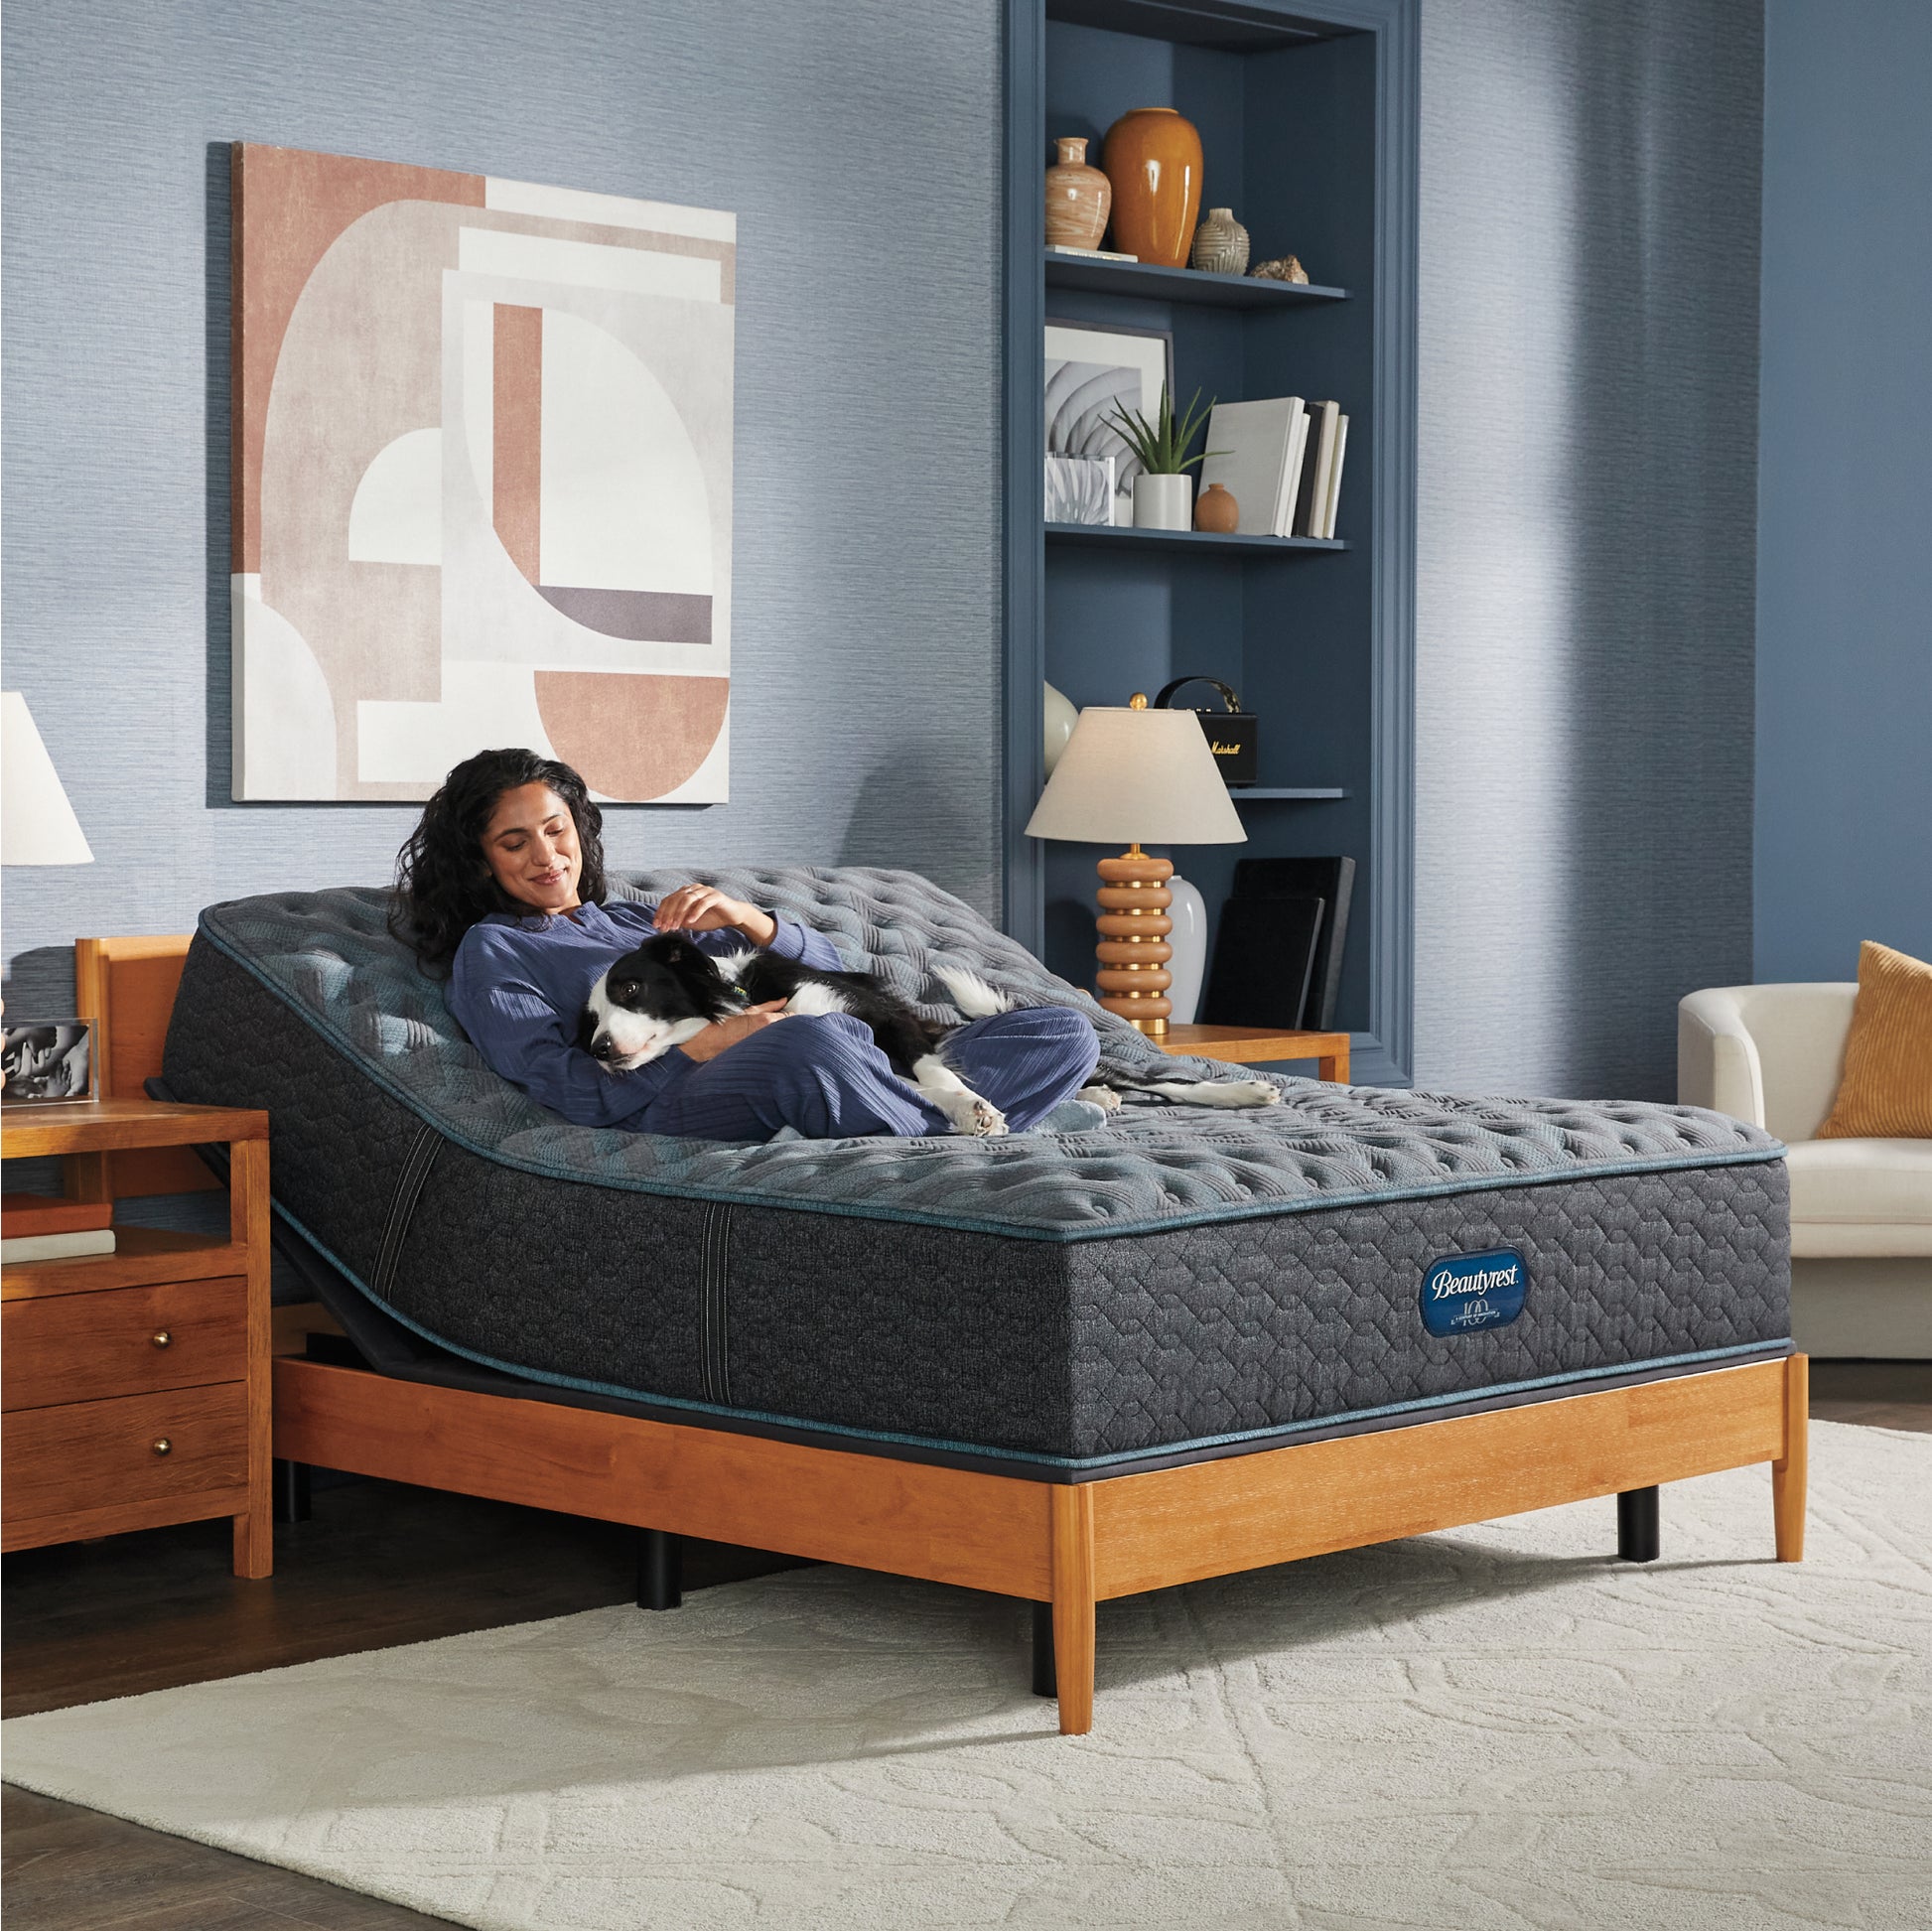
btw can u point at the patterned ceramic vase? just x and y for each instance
(1153, 158)
(1220, 244)
(1079, 197)
(1217, 510)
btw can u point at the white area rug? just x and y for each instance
(1493, 1727)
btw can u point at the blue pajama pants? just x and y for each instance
(826, 1077)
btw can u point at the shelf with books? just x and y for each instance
(1193, 542)
(1153, 284)
(1308, 116)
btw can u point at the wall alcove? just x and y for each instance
(1308, 127)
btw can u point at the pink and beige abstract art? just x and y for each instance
(483, 481)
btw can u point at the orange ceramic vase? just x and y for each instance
(1153, 158)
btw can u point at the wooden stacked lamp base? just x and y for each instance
(1134, 949)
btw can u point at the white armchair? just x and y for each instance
(1861, 1210)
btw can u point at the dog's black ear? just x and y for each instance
(586, 1027)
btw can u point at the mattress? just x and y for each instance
(1173, 1284)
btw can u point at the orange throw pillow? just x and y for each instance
(1887, 1091)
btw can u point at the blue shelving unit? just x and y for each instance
(1308, 121)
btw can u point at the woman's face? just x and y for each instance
(530, 842)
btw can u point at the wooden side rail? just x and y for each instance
(1072, 1545)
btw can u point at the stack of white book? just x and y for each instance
(1280, 461)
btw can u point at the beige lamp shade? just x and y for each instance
(1137, 777)
(37, 824)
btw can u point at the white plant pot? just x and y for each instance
(1163, 503)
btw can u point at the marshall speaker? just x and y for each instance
(1233, 734)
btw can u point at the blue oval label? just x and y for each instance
(1465, 1292)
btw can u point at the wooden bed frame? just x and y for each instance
(1061, 1546)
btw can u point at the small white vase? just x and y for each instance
(1163, 503)
(1189, 941)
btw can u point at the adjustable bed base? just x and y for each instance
(1063, 1368)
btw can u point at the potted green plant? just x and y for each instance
(1164, 491)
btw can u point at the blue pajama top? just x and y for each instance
(517, 987)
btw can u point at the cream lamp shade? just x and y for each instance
(37, 823)
(1137, 777)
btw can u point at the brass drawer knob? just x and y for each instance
(162, 1446)
(162, 1338)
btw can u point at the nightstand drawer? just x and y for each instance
(124, 1342)
(96, 1455)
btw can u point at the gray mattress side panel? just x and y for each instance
(1217, 1331)
(903, 1329)
(576, 1280)
(336, 1142)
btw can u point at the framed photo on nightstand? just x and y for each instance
(47, 1061)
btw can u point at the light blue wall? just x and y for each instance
(858, 144)
(1585, 523)
(1845, 487)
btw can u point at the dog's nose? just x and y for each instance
(604, 1047)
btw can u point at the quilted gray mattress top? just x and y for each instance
(330, 958)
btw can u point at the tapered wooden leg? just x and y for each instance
(1073, 1505)
(254, 1528)
(1788, 1474)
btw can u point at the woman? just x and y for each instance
(500, 887)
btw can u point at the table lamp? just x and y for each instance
(37, 823)
(1131, 774)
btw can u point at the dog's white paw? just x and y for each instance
(1103, 1097)
(1252, 1092)
(977, 1118)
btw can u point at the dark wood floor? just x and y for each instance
(377, 1564)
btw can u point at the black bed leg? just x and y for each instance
(1045, 1683)
(1636, 1525)
(291, 1490)
(660, 1569)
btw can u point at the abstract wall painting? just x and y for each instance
(483, 481)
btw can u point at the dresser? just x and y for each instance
(135, 1384)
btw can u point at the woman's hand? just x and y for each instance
(704, 908)
(724, 1034)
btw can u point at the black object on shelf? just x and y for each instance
(1331, 880)
(1263, 959)
(1233, 734)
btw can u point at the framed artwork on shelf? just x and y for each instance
(1091, 370)
(483, 481)
(47, 1061)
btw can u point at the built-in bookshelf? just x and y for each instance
(1308, 123)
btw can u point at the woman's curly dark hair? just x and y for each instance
(444, 884)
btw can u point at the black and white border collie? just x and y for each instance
(667, 991)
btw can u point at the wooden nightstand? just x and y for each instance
(1250, 1046)
(135, 1384)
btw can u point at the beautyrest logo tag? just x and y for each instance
(1463, 1292)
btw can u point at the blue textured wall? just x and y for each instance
(1585, 525)
(1845, 487)
(858, 144)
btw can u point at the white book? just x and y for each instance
(1297, 449)
(57, 1247)
(1253, 441)
(1322, 454)
(1335, 476)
